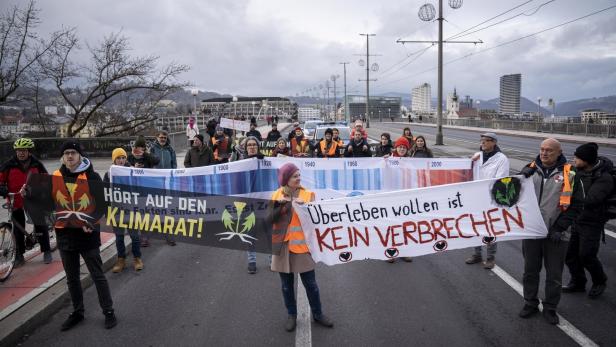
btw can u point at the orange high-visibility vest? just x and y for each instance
(70, 204)
(294, 234)
(299, 148)
(567, 189)
(332, 149)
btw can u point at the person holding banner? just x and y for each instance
(199, 154)
(384, 148)
(336, 137)
(420, 149)
(300, 145)
(358, 147)
(327, 148)
(401, 147)
(359, 127)
(221, 145)
(495, 165)
(281, 149)
(552, 177)
(290, 252)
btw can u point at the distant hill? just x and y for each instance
(573, 108)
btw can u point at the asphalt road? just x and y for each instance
(195, 296)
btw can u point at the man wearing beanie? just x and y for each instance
(199, 154)
(79, 235)
(585, 216)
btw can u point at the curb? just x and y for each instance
(38, 310)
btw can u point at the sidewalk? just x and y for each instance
(601, 141)
(36, 290)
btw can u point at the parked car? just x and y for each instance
(310, 126)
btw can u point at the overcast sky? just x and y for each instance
(281, 48)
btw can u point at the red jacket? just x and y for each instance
(13, 175)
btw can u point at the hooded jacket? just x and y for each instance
(590, 190)
(14, 176)
(165, 154)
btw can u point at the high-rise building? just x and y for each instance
(510, 89)
(421, 99)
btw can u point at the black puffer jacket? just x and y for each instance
(590, 189)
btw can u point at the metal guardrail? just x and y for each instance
(93, 147)
(580, 129)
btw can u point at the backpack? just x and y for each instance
(610, 201)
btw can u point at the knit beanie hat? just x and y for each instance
(139, 142)
(200, 137)
(402, 141)
(587, 152)
(285, 172)
(118, 152)
(71, 144)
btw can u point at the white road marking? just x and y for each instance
(610, 233)
(564, 324)
(303, 331)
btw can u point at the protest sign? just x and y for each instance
(421, 221)
(234, 124)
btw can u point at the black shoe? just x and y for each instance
(528, 311)
(596, 290)
(19, 260)
(574, 288)
(72, 320)
(324, 321)
(252, 268)
(110, 320)
(550, 316)
(289, 325)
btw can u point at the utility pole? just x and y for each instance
(368, 78)
(346, 109)
(334, 78)
(427, 14)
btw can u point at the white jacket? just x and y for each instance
(190, 133)
(495, 167)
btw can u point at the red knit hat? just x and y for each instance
(402, 141)
(285, 172)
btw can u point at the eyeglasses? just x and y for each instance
(70, 153)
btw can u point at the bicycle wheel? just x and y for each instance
(8, 249)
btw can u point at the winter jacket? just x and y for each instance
(273, 135)
(75, 239)
(497, 165)
(548, 187)
(322, 149)
(358, 150)
(383, 150)
(196, 157)
(421, 153)
(165, 154)
(191, 132)
(590, 190)
(256, 133)
(148, 160)
(14, 176)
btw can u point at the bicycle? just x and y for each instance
(8, 244)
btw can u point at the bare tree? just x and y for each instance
(21, 47)
(90, 89)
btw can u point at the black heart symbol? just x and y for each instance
(440, 245)
(345, 256)
(391, 252)
(488, 239)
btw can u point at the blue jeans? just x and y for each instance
(312, 291)
(121, 247)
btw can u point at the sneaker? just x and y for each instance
(473, 259)
(19, 260)
(72, 320)
(119, 265)
(596, 290)
(488, 264)
(574, 288)
(550, 316)
(407, 259)
(252, 268)
(290, 324)
(138, 264)
(47, 257)
(324, 321)
(528, 311)
(110, 319)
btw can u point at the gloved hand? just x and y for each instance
(555, 236)
(528, 171)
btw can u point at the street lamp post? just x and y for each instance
(380, 118)
(389, 113)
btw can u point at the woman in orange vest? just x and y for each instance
(291, 254)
